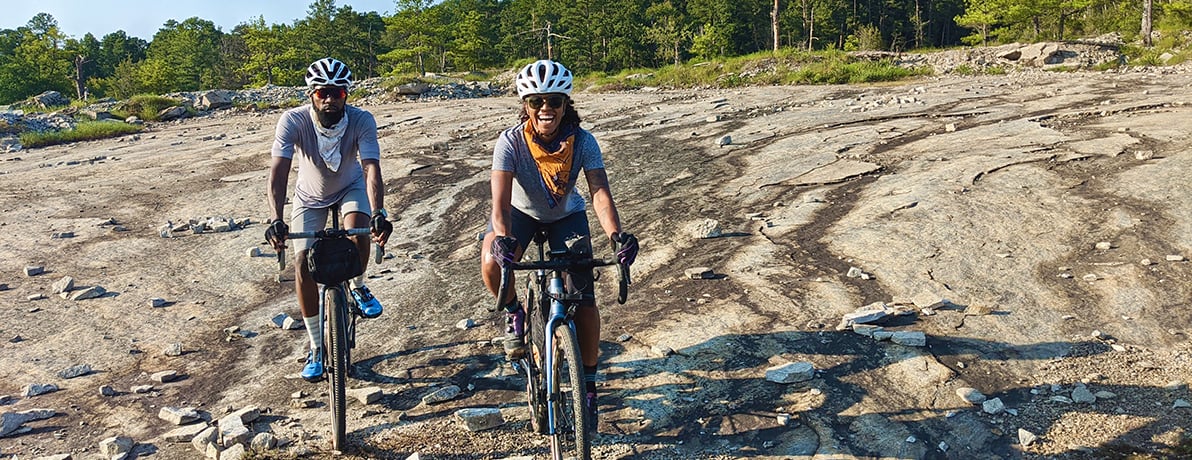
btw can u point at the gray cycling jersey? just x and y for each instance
(317, 186)
(529, 193)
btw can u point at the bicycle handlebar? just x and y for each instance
(328, 233)
(565, 265)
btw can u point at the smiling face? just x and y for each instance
(546, 113)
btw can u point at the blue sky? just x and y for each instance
(142, 18)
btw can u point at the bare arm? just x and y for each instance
(376, 186)
(279, 177)
(502, 190)
(602, 202)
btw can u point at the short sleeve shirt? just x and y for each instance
(529, 194)
(317, 186)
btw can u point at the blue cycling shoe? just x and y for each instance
(313, 370)
(370, 307)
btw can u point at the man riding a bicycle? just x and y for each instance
(536, 167)
(338, 164)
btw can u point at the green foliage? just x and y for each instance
(84, 131)
(608, 36)
(144, 106)
(867, 38)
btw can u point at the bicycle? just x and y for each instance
(555, 387)
(340, 322)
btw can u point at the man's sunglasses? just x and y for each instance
(554, 102)
(331, 92)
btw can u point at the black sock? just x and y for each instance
(512, 306)
(590, 379)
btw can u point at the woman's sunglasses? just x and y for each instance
(554, 102)
(331, 92)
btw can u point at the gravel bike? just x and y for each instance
(340, 316)
(554, 370)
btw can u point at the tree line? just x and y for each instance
(588, 35)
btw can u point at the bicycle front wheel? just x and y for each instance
(572, 431)
(336, 304)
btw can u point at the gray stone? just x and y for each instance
(1026, 438)
(699, 273)
(233, 452)
(263, 441)
(465, 324)
(142, 389)
(179, 416)
(77, 370)
(63, 285)
(116, 445)
(37, 389)
(164, 376)
(173, 349)
(245, 415)
(993, 406)
(234, 435)
(1181, 404)
(868, 314)
(480, 419)
(367, 395)
(709, 228)
(254, 252)
(54, 457)
(171, 113)
(205, 437)
(185, 433)
(1082, 395)
(11, 422)
(791, 372)
(107, 390)
(909, 338)
(1174, 258)
(88, 293)
(34, 270)
(441, 394)
(157, 302)
(970, 395)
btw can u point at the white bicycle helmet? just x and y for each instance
(541, 77)
(328, 72)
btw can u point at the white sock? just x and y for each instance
(314, 329)
(357, 282)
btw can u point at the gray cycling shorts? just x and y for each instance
(524, 227)
(303, 219)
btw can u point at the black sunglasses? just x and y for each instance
(554, 102)
(331, 92)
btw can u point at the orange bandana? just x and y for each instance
(555, 167)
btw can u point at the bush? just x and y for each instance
(144, 106)
(85, 131)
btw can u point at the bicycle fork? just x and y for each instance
(558, 318)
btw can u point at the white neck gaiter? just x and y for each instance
(329, 139)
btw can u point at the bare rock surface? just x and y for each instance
(974, 193)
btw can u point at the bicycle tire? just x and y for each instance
(572, 437)
(336, 303)
(532, 363)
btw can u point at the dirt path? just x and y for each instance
(989, 192)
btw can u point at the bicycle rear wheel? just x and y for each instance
(336, 304)
(572, 432)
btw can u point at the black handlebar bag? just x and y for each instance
(334, 260)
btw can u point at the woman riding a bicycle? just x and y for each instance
(536, 166)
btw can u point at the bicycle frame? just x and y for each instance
(548, 276)
(340, 314)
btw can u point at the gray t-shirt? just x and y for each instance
(529, 191)
(317, 186)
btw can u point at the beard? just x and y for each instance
(329, 118)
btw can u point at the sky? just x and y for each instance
(142, 18)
